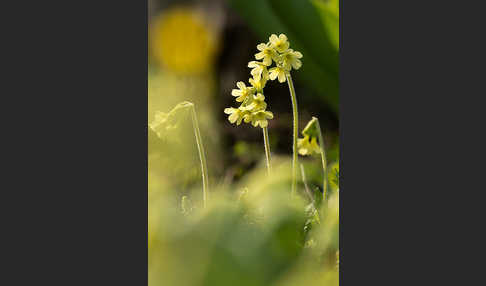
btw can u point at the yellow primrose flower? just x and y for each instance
(258, 85)
(267, 53)
(259, 70)
(291, 59)
(280, 43)
(260, 118)
(257, 104)
(308, 147)
(243, 92)
(277, 72)
(236, 115)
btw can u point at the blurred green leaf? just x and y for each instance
(333, 176)
(306, 22)
(312, 28)
(329, 14)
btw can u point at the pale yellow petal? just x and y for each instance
(261, 46)
(285, 46)
(240, 85)
(296, 64)
(233, 117)
(273, 73)
(281, 76)
(267, 60)
(273, 38)
(260, 56)
(253, 64)
(256, 74)
(236, 92)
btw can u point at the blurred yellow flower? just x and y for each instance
(260, 118)
(235, 115)
(258, 103)
(259, 70)
(181, 41)
(280, 43)
(258, 84)
(267, 53)
(291, 59)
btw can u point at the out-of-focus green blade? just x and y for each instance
(305, 21)
(329, 14)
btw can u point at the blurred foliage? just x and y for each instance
(256, 237)
(333, 175)
(313, 28)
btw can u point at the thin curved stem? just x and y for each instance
(323, 159)
(311, 197)
(202, 156)
(267, 148)
(293, 97)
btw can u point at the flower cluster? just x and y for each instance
(253, 107)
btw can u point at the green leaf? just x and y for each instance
(306, 22)
(329, 14)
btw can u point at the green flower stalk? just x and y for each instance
(202, 154)
(267, 148)
(287, 59)
(166, 121)
(308, 146)
(295, 132)
(253, 106)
